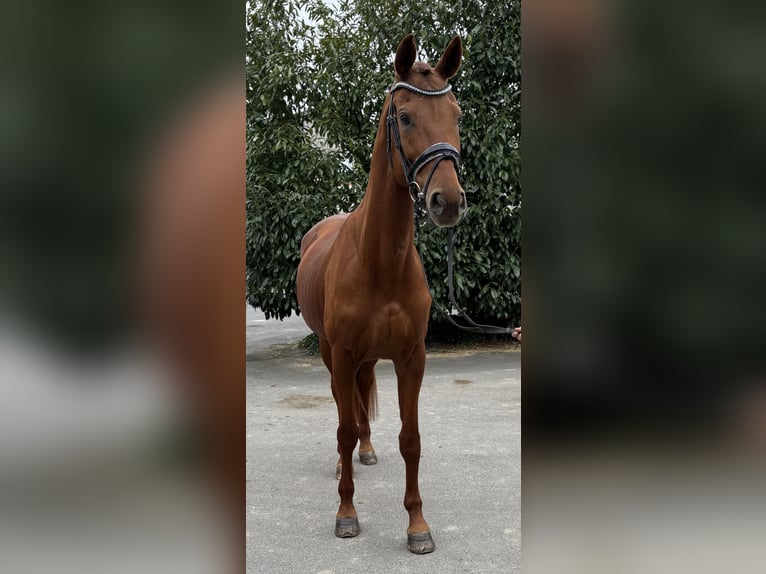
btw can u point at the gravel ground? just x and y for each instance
(470, 426)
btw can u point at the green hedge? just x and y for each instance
(316, 80)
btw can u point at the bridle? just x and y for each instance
(437, 151)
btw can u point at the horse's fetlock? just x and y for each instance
(413, 504)
(346, 491)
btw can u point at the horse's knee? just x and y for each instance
(409, 438)
(409, 444)
(347, 437)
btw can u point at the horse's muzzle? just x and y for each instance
(446, 210)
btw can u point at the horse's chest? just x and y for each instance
(391, 321)
(390, 330)
(383, 330)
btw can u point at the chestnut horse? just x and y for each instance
(361, 286)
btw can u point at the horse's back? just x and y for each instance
(325, 232)
(316, 246)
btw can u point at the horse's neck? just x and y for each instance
(387, 226)
(386, 229)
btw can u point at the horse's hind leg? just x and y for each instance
(366, 408)
(326, 352)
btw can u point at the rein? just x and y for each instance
(471, 326)
(438, 151)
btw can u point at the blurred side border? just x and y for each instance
(643, 361)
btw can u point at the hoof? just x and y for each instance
(347, 527)
(368, 457)
(420, 542)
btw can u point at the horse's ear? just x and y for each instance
(450, 61)
(405, 56)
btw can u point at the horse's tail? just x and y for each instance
(368, 404)
(372, 401)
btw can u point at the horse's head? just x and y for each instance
(423, 130)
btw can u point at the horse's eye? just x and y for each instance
(404, 118)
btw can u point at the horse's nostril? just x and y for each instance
(437, 203)
(463, 203)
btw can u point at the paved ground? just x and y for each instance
(470, 421)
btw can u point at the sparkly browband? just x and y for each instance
(420, 91)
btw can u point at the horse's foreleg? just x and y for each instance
(409, 378)
(365, 411)
(343, 383)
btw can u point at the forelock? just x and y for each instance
(422, 68)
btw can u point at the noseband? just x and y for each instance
(437, 151)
